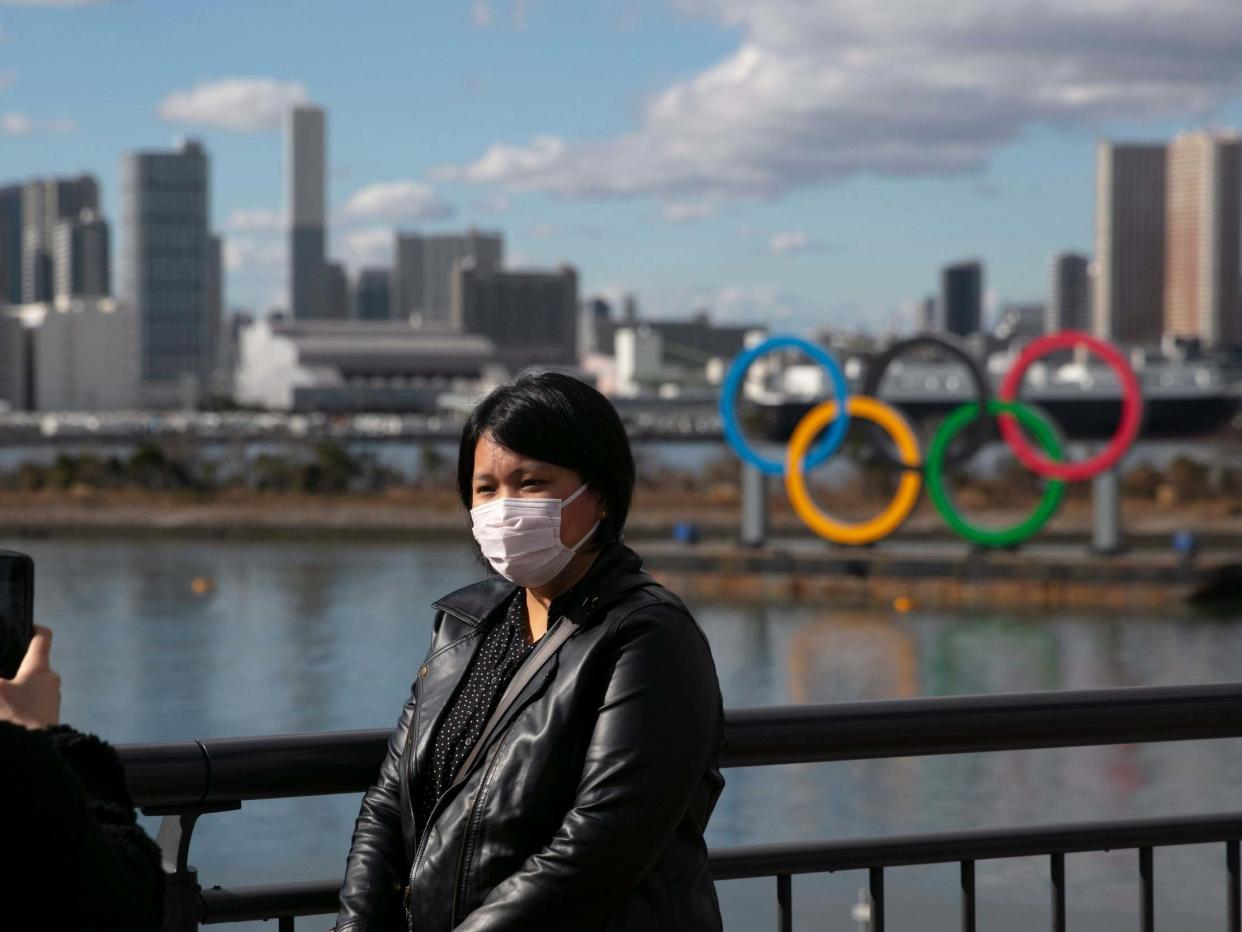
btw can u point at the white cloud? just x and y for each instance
(496, 204)
(790, 241)
(686, 211)
(821, 91)
(256, 220)
(242, 105)
(397, 202)
(9, 76)
(481, 14)
(370, 246)
(508, 164)
(16, 124)
(249, 254)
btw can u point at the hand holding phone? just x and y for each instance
(32, 697)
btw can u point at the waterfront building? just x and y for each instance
(170, 271)
(1203, 196)
(336, 292)
(81, 257)
(72, 354)
(1021, 323)
(1069, 306)
(372, 294)
(10, 244)
(306, 196)
(1128, 289)
(961, 298)
(531, 316)
(354, 365)
(46, 202)
(675, 357)
(424, 268)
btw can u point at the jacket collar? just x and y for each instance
(615, 570)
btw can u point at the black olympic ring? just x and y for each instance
(974, 436)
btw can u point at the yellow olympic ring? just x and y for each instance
(864, 532)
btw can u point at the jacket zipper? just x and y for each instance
(459, 882)
(412, 773)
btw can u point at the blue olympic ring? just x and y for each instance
(733, 382)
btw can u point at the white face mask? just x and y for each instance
(521, 537)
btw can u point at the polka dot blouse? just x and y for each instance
(505, 645)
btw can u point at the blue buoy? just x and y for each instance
(1185, 544)
(686, 532)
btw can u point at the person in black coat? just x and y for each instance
(74, 857)
(556, 764)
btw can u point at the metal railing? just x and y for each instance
(185, 780)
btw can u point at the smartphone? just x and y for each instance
(16, 610)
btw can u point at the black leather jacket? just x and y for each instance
(585, 809)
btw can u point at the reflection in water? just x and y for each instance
(328, 635)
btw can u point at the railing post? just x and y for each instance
(754, 531)
(784, 903)
(1106, 504)
(182, 903)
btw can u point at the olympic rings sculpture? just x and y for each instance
(1016, 420)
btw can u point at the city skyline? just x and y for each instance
(839, 236)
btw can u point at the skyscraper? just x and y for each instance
(1203, 206)
(305, 160)
(1069, 306)
(371, 295)
(424, 268)
(81, 255)
(1128, 298)
(167, 270)
(46, 202)
(531, 316)
(961, 298)
(11, 244)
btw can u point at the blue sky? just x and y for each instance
(801, 162)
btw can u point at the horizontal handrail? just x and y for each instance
(734, 863)
(185, 774)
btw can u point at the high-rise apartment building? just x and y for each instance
(306, 196)
(169, 269)
(81, 257)
(531, 317)
(371, 295)
(424, 268)
(46, 202)
(1128, 289)
(1069, 305)
(1203, 206)
(10, 244)
(961, 298)
(336, 292)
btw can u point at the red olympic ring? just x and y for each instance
(1131, 409)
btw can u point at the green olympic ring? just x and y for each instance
(1053, 492)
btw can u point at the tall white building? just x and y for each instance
(170, 271)
(1201, 270)
(72, 355)
(306, 196)
(423, 271)
(44, 203)
(81, 257)
(1128, 298)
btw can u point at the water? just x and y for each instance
(327, 635)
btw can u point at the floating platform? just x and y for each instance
(948, 575)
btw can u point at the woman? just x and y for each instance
(556, 764)
(74, 857)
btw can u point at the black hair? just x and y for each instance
(555, 417)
